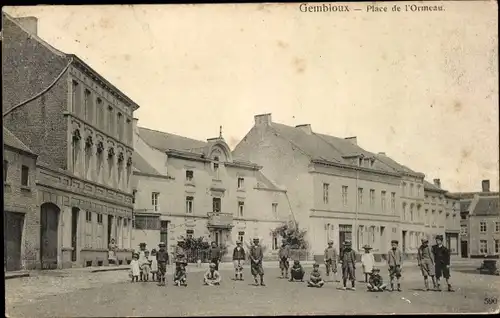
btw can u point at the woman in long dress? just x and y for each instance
(112, 252)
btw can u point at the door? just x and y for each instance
(13, 231)
(164, 232)
(404, 241)
(49, 221)
(464, 249)
(74, 233)
(345, 233)
(110, 229)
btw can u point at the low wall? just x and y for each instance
(99, 257)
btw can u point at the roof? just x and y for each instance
(141, 165)
(395, 165)
(264, 182)
(431, 187)
(165, 141)
(470, 195)
(9, 139)
(464, 205)
(486, 206)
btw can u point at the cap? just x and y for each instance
(424, 240)
(238, 242)
(395, 241)
(315, 264)
(375, 269)
(439, 237)
(347, 242)
(330, 242)
(142, 244)
(367, 247)
(212, 265)
(161, 244)
(256, 238)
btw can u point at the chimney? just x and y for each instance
(437, 183)
(486, 185)
(354, 140)
(382, 153)
(305, 128)
(30, 24)
(263, 119)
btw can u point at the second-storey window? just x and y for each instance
(382, 201)
(372, 198)
(325, 192)
(189, 204)
(155, 196)
(275, 210)
(189, 175)
(216, 204)
(25, 173)
(241, 208)
(482, 227)
(344, 195)
(241, 183)
(360, 196)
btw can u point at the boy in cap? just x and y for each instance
(180, 278)
(297, 272)
(212, 276)
(162, 258)
(331, 260)
(315, 279)
(425, 258)
(367, 261)
(348, 260)
(442, 262)
(256, 256)
(238, 260)
(284, 255)
(215, 255)
(395, 262)
(376, 282)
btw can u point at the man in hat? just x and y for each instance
(212, 276)
(215, 255)
(331, 260)
(256, 256)
(315, 279)
(367, 261)
(348, 260)
(425, 259)
(238, 260)
(162, 258)
(284, 255)
(442, 262)
(395, 262)
(376, 282)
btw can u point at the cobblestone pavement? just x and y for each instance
(112, 294)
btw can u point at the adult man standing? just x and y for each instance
(425, 258)
(238, 260)
(331, 260)
(256, 256)
(442, 262)
(348, 260)
(284, 255)
(215, 255)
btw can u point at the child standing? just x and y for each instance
(315, 280)
(395, 262)
(297, 272)
(442, 265)
(162, 258)
(348, 259)
(238, 260)
(367, 261)
(134, 267)
(376, 283)
(284, 255)
(154, 265)
(331, 260)
(143, 260)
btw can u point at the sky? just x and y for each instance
(420, 86)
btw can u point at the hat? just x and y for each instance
(135, 254)
(212, 265)
(347, 242)
(439, 237)
(424, 240)
(180, 239)
(153, 250)
(330, 242)
(367, 247)
(256, 238)
(395, 241)
(315, 264)
(375, 269)
(142, 244)
(161, 244)
(238, 242)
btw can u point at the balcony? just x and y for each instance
(220, 220)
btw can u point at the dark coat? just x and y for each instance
(441, 255)
(239, 254)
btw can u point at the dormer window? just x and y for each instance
(216, 166)
(360, 162)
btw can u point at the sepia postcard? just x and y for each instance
(272, 159)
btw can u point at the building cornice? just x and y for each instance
(349, 167)
(244, 165)
(270, 190)
(187, 155)
(159, 176)
(21, 151)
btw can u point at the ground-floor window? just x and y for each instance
(483, 247)
(147, 222)
(241, 236)
(189, 234)
(497, 246)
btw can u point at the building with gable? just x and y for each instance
(80, 126)
(192, 188)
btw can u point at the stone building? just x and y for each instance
(20, 213)
(191, 188)
(80, 126)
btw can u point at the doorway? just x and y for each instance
(13, 235)
(403, 244)
(75, 212)
(49, 222)
(464, 249)
(110, 229)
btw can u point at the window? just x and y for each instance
(497, 246)
(147, 222)
(189, 175)
(482, 227)
(411, 189)
(120, 124)
(86, 106)
(241, 208)
(372, 198)
(426, 217)
(393, 201)
(382, 200)
(360, 196)
(411, 212)
(216, 166)
(75, 97)
(483, 247)
(497, 226)
(344, 195)
(216, 204)
(5, 169)
(25, 172)
(404, 189)
(404, 210)
(155, 201)
(100, 113)
(275, 210)
(111, 121)
(189, 204)
(360, 162)
(99, 218)
(128, 130)
(189, 234)
(275, 242)
(164, 231)
(418, 190)
(88, 216)
(433, 218)
(241, 183)
(326, 186)
(241, 236)
(361, 240)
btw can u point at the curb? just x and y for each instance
(16, 275)
(112, 269)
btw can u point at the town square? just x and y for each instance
(220, 160)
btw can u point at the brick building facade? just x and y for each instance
(80, 126)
